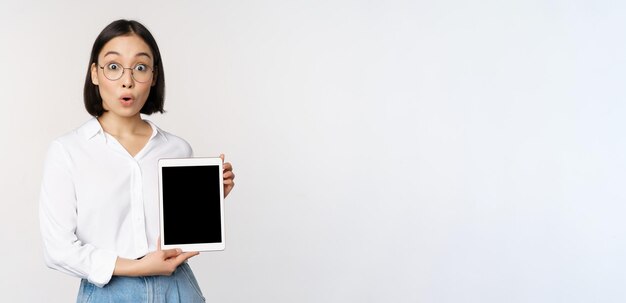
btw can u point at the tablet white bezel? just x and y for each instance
(192, 162)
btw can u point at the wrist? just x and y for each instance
(127, 267)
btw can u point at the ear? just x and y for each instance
(94, 74)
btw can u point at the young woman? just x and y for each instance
(99, 197)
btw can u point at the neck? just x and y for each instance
(121, 126)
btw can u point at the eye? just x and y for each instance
(141, 68)
(113, 66)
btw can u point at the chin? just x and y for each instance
(125, 112)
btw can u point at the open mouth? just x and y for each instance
(126, 101)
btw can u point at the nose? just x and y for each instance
(127, 79)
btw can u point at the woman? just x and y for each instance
(99, 197)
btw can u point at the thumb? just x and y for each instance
(158, 243)
(168, 253)
(222, 156)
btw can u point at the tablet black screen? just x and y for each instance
(191, 204)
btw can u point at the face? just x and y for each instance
(125, 96)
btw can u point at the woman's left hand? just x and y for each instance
(229, 177)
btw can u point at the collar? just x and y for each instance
(92, 127)
(156, 131)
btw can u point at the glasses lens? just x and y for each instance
(113, 70)
(142, 73)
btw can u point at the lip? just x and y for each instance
(127, 100)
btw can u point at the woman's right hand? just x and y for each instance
(164, 262)
(159, 262)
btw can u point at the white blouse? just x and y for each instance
(98, 202)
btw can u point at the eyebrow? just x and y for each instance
(137, 55)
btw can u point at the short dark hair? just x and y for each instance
(156, 97)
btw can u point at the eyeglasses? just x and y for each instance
(140, 72)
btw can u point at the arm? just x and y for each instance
(160, 262)
(63, 250)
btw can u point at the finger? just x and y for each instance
(229, 175)
(227, 166)
(228, 189)
(229, 182)
(186, 255)
(222, 156)
(169, 253)
(190, 254)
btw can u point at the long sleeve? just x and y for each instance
(58, 214)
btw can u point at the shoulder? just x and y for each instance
(174, 141)
(76, 136)
(178, 141)
(61, 147)
(82, 133)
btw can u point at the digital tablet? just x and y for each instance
(191, 195)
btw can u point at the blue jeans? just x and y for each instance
(181, 286)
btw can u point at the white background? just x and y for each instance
(385, 151)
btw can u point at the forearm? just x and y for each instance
(127, 267)
(156, 263)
